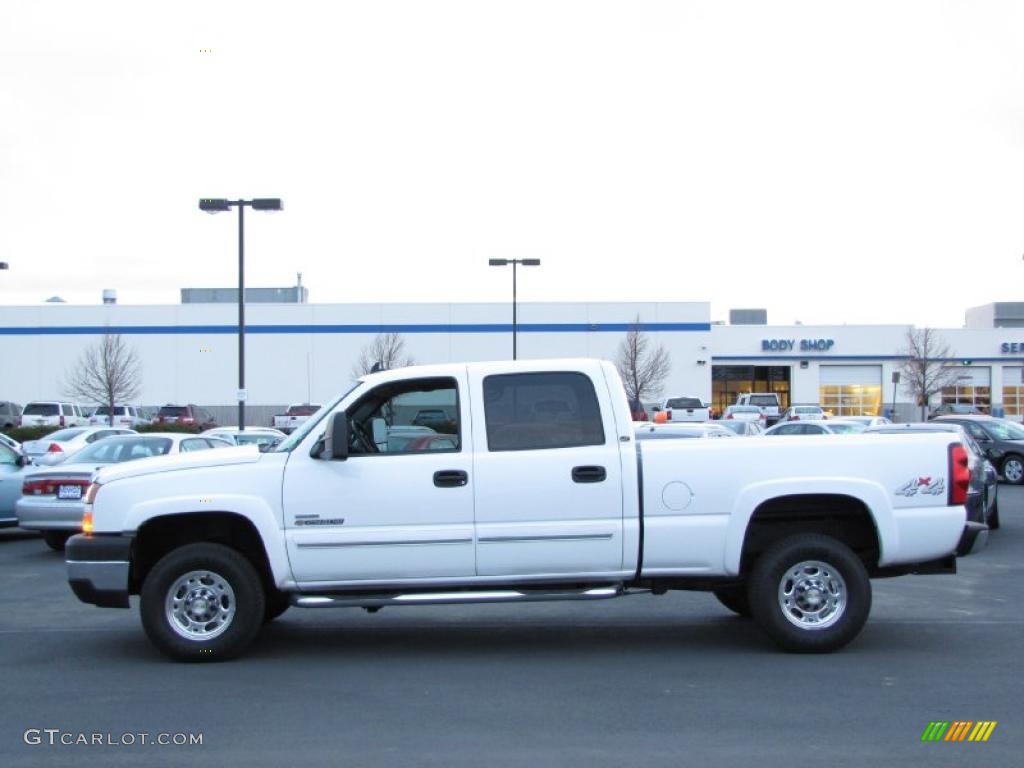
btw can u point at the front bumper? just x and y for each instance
(973, 539)
(99, 568)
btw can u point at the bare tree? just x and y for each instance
(386, 351)
(923, 372)
(107, 373)
(643, 368)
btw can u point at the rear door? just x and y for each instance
(548, 479)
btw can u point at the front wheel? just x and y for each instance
(735, 599)
(810, 593)
(1013, 470)
(202, 602)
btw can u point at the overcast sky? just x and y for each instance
(858, 162)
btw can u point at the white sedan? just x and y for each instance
(52, 498)
(816, 427)
(57, 446)
(258, 436)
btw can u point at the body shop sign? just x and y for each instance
(795, 345)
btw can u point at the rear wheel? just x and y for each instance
(202, 602)
(735, 599)
(810, 593)
(56, 540)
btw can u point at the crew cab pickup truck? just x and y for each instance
(516, 500)
(293, 417)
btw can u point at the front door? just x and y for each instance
(400, 508)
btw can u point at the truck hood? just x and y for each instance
(214, 457)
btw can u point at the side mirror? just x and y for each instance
(380, 432)
(23, 460)
(336, 437)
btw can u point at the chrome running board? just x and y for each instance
(462, 596)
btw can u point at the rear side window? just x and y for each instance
(526, 411)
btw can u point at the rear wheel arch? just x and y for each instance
(843, 518)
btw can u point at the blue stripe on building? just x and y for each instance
(176, 330)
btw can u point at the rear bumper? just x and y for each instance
(99, 568)
(48, 514)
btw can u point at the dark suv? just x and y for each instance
(185, 414)
(1001, 440)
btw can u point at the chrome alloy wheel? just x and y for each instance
(1013, 471)
(200, 605)
(812, 595)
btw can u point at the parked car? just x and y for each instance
(1002, 442)
(637, 411)
(984, 487)
(57, 446)
(123, 416)
(262, 437)
(185, 414)
(803, 413)
(742, 428)
(13, 466)
(744, 413)
(10, 414)
(955, 409)
(293, 417)
(869, 421)
(52, 500)
(768, 402)
(671, 430)
(51, 413)
(821, 427)
(685, 409)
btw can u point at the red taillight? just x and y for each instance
(48, 487)
(62, 421)
(728, 416)
(54, 448)
(959, 475)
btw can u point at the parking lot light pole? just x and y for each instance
(217, 205)
(514, 263)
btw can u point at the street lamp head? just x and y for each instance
(497, 262)
(266, 204)
(530, 262)
(213, 205)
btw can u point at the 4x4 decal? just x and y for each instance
(924, 486)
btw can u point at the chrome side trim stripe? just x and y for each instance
(565, 537)
(340, 544)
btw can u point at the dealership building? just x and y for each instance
(302, 352)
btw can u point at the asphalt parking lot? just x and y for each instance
(643, 681)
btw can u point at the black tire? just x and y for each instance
(1012, 469)
(735, 599)
(277, 602)
(56, 540)
(223, 574)
(783, 602)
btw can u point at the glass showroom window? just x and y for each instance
(970, 388)
(851, 399)
(1013, 393)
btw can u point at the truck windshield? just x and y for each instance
(296, 437)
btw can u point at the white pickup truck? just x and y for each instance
(532, 488)
(293, 417)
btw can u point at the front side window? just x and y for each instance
(406, 417)
(527, 411)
